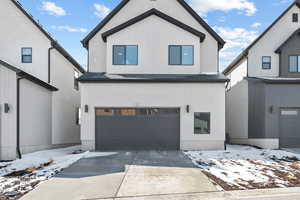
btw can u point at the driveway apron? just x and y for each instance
(125, 174)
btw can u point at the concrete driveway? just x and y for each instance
(126, 175)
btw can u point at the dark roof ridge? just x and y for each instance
(149, 13)
(85, 41)
(28, 76)
(54, 42)
(297, 32)
(245, 52)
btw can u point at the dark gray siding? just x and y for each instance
(265, 102)
(256, 113)
(291, 47)
(280, 96)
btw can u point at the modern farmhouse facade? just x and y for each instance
(153, 81)
(263, 100)
(39, 96)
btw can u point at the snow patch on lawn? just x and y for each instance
(245, 167)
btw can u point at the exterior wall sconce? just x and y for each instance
(86, 108)
(271, 109)
(188, 108)
(6, 108)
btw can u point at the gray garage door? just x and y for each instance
(289, 128)
(137, 129)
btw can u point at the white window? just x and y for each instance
(76, 76)
(289, 112)
(78, 116)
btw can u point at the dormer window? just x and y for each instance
(125, 55)
(181, 55)
(295, 17)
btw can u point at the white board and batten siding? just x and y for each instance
(8, 85)
(208, 52)
(65, 101)
(155, 95)
(268, 44)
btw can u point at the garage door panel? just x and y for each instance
(138, 132)
(289, 128)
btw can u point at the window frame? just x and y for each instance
(209, 125)
(76, 83)
(262, 62)
(298, 67)
(295, 17)
(181, 64)
(78, 116)
(125, 55)
(22, 56)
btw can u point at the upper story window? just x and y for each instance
(181, 55)
(76, 76)
(125, 55)
(294, 63)
(295, 17)
(266, 62)
(26, 55)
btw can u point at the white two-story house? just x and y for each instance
(263, 100)
(39, 94)
(153, 81)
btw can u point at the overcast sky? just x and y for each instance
(238, 21)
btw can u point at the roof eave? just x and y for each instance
(235, 62)
(86, 40)
(147, 14)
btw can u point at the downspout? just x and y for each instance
(18, 117)
(49, 62)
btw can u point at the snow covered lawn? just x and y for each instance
(245, 167)
(21, 176)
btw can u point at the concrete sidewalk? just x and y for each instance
(265, 194)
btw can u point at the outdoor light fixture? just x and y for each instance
(6, 108)
(271, 109)
(188, 108)
(86, 108)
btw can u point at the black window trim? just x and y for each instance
(169, 56)
(195, 133)
(262, 62)
(295, 17)
(298, 67)
(113, 53)
(26, 55)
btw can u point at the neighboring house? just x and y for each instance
(39, 96)
(153, 80)
(263, 100)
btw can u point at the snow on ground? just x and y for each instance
(22, 175)
(245, 167)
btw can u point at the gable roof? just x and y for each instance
(245, 52)
(27, 76)
(86, 40)
(297, 32)
(54, 43)
(148, 14)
